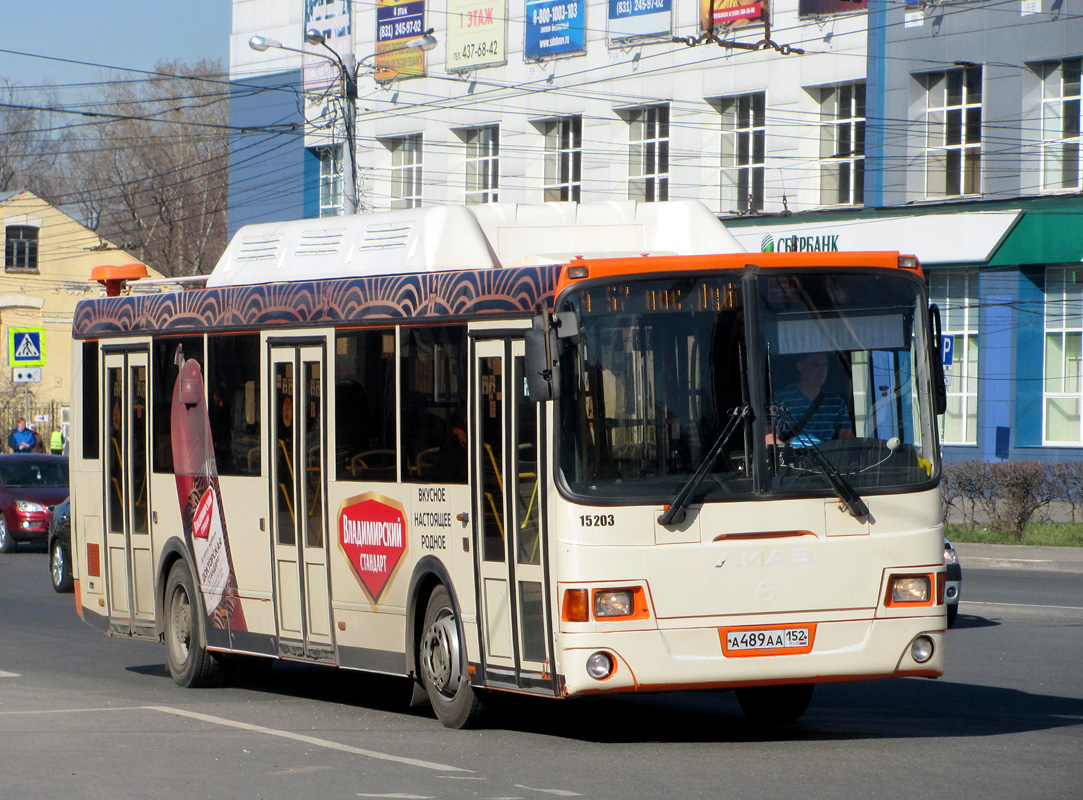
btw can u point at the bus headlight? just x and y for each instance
(910, 589)
(600, 666)
(615, 603)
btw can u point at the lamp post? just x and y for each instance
(347, 68)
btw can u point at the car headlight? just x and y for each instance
(29, 507)
(950, 556)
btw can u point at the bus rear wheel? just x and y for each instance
(189, 662)
(442, 660)
(775, 705)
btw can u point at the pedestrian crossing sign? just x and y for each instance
(26, 347)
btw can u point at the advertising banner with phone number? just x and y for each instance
(628, 18)
(398, 22)
(731, 13)
(554, 27)
(477, 33)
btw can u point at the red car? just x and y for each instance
(30, 485)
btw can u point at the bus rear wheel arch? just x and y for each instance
(442, 664)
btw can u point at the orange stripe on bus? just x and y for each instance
(617, 267)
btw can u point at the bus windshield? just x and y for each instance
(823, 373)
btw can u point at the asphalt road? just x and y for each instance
(84, 716)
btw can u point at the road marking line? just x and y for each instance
(1022, 605)
(1009, 560)
(557, 792)
(69, 710)
(298, 737)
(400, 796)
(8, 674)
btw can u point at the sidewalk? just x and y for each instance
(992, 556)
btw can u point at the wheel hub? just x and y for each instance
(440, 655)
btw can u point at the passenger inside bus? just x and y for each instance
(448, 463)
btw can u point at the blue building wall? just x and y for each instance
(1007, 46)
(267, 161)
(1030, 356)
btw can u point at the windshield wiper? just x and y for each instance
(847, 494)
(675, 512)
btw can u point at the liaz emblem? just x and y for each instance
(372, 534)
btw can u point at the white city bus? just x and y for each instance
(536, 449)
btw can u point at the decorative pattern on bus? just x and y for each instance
(439, 294)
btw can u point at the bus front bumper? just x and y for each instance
(694, 658)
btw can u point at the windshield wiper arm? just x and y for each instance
(847, 494)
(675, 512)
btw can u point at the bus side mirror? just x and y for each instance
(542, 373)
(936, 358)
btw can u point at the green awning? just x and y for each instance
(1043, 237)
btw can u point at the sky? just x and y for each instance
(133, 34)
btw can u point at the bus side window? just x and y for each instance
(433, 395)
(91, 401)
(163, 376)
(233, 402)
(365, 405)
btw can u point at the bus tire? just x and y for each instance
(442, 665)
(189, 662)
(775, 705)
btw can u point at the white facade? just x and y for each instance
(600, 84)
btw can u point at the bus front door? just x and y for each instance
(509, 513)
(129, 565)
(299, 510)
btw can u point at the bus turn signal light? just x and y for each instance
(576, 607)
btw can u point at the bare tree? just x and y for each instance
(28, 146)
(152, 175)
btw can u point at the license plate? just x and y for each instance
(772, 640)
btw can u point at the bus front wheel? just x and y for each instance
(775, 705)
(189, 662)
(442, 660)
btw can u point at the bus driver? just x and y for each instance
(811, 413)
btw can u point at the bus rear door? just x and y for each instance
(129, 564)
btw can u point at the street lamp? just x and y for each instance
(347, 68)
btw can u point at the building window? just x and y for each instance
(405, 171)
(563, 158)
(1063, 354)
(330, 180)
(482, 164)
(648, 153)
(953, 133)
(955, 292)
(21, 248)
(842, 144)
(1061, 109)
(744, 135)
